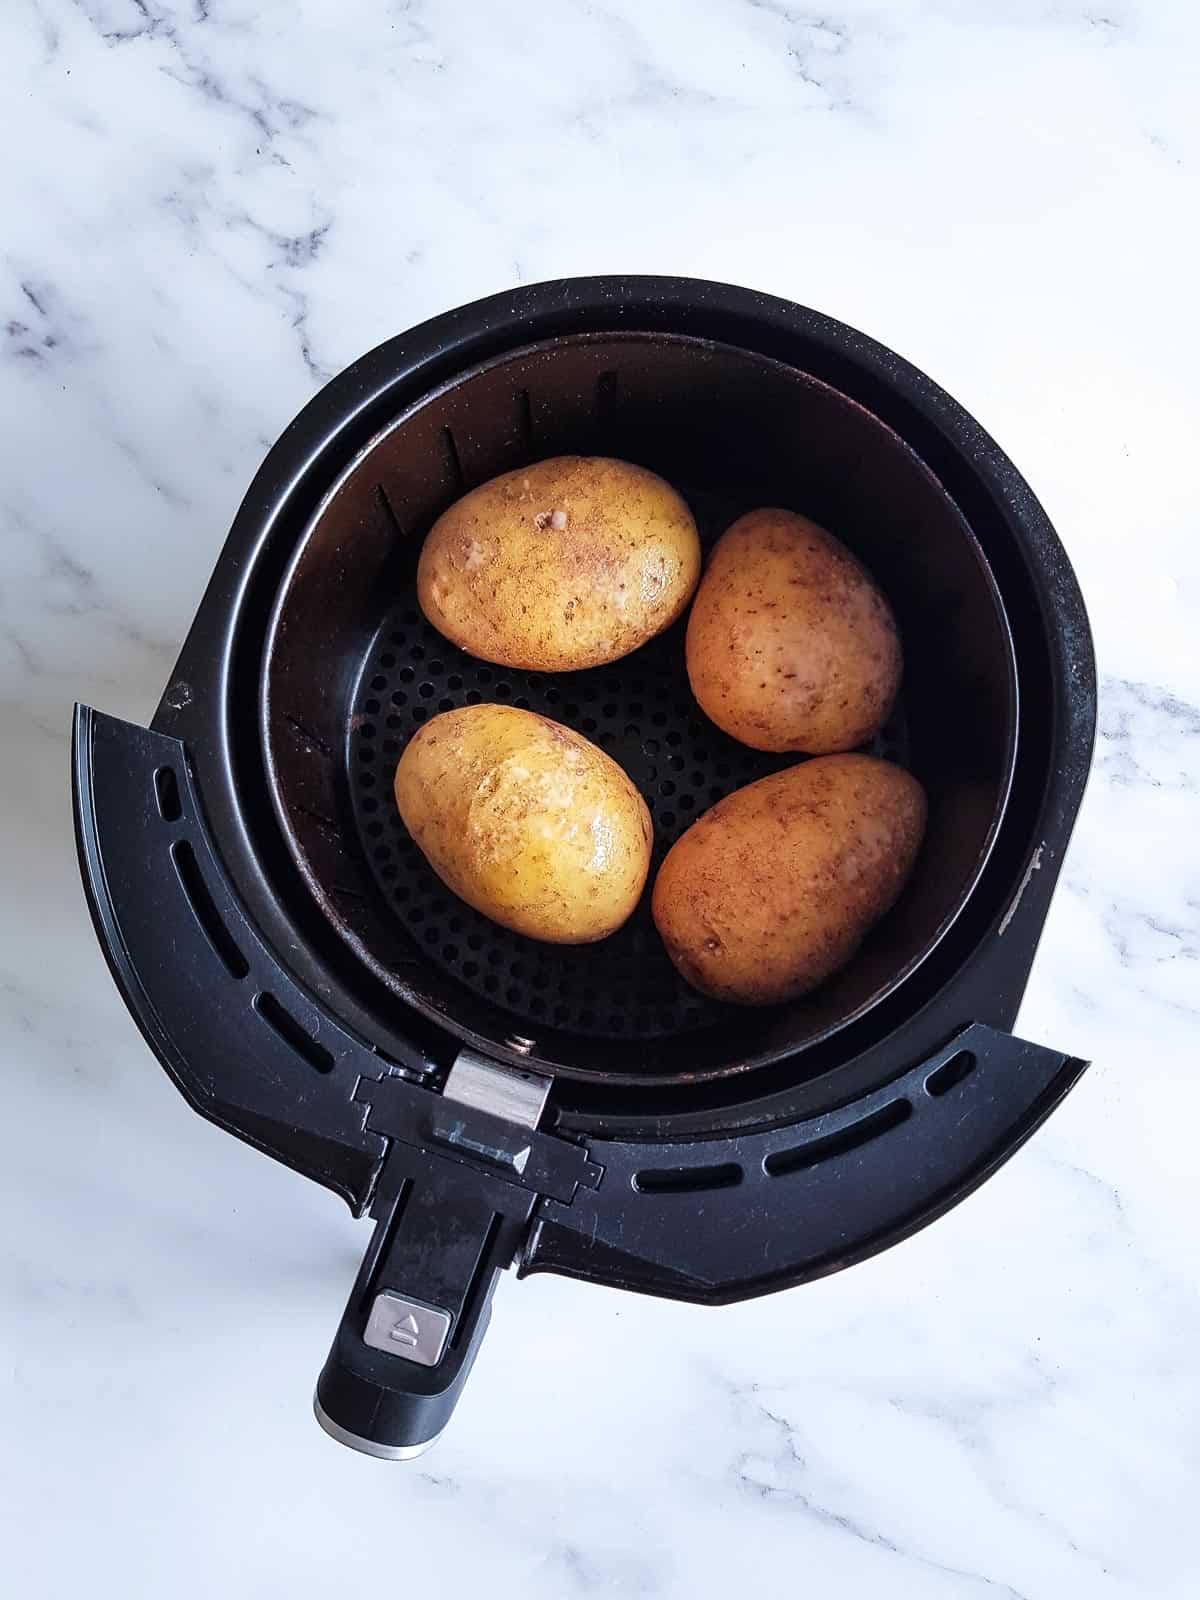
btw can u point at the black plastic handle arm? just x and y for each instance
(767, 1208)
(244, 1043)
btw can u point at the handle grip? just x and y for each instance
(420, 1304)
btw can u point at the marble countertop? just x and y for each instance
(209, 206)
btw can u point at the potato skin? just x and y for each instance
(564, 564)
(526, 821)
(775, 887)
(790, 645)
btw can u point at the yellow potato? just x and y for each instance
(775, 888)
(526, 821)
(564, 564)
(790, 646)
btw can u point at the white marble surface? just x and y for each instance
(210, 205)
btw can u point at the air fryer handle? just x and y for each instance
(420, 1305)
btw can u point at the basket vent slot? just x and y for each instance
(204, 909)
(166, 792)
(688, 1180)
(803, 1156)
(950, 1074)
(292, 1032)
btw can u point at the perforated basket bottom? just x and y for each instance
(641, 711)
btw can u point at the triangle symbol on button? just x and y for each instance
(406, 1331)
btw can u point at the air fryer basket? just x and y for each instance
(352, 670)
(313, 989)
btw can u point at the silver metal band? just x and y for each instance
(384, 1452)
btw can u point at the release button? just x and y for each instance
(402, 1327)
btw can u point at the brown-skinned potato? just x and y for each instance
(773, 889)
(564, 564)
(790, 644)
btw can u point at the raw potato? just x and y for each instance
(564, 564)
(790, 646)
(526, 821)
(775, 888)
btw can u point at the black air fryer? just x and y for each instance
(313, 988)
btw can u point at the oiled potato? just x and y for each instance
(564, 564)
(790, 646)
(526, 821)
(773, 889)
